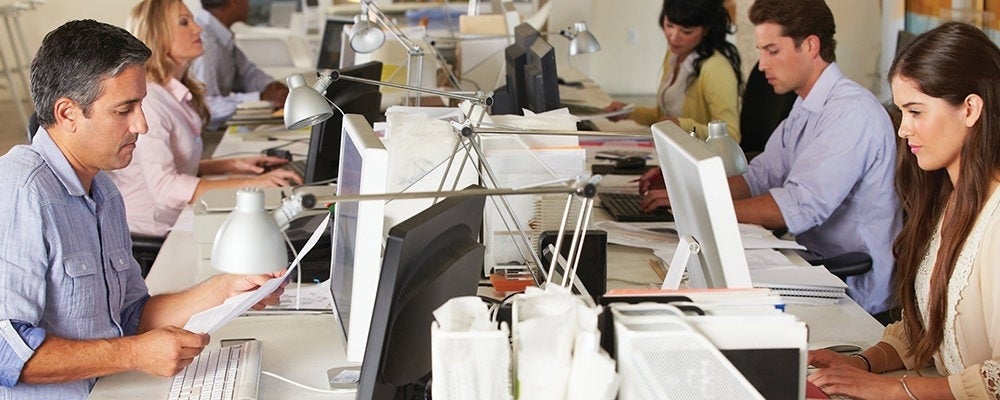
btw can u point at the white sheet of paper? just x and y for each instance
(214, 318)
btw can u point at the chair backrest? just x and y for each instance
(762, 110)
(32, 126)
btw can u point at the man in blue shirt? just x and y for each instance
(826, 173)
(229, 77)
(73, 305)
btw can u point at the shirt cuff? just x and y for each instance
(20, 340)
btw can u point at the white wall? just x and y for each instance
(626, 67)
(633, 45)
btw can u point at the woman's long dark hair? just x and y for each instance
(711, 15)
(950, 62)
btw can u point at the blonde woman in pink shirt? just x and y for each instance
(167, 171)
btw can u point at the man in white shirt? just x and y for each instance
(229, 77)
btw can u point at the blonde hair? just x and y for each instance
(150, 22)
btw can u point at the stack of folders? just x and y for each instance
(255, 113)
(809, 284)
(547, 213)
(713, 348)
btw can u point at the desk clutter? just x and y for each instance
(686, 344)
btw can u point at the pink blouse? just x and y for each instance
(163, 174)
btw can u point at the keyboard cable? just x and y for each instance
(307, 387)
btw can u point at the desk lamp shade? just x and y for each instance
(249, 241)
(581, 41)
(305, 106)
(723, 145)
(366, 37)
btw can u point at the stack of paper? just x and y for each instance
(809, 282)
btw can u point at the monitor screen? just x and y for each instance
(351, 98)
(541, 82)
(430, 258)
(330, 45)
(357, 232)
(702, 207)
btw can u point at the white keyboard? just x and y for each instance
(228, 373)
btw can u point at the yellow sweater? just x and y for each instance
(712, 95)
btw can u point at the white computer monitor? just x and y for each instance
(358, 233)
(703, 208)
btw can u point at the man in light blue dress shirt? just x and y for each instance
(229, 77)
(826, 173)
(73, 305)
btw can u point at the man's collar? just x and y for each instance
(822, 88)
(213, 26)
(58, 162)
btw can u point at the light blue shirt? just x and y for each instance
(66, 265)
(229, 77)
(830, 167)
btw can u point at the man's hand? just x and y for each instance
(275, 92)
(165, 351)
(652, 179)
(237, 284)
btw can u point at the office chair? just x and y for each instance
(844, 265)
(144, 247)
(761, 111)
(32, 125)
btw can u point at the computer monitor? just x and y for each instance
(516, 56)
(332, 43)
(541, 82)
(703, 208)
(357, 232)
(430, 258)
(351, 98)
(259, 12)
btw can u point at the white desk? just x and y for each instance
(304, 347)
(298, 347)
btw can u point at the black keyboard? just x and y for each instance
(624, 207)
(297, 166)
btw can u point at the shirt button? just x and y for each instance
(84, 266)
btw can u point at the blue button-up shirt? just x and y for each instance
(230, 78)
(830, 167)
(66, 266)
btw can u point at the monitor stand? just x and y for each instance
(344, 378)
(685, 248)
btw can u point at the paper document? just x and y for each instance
(210, 320)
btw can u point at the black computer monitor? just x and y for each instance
(516, 56)
(430, 258)
(351, 98)
(331, 44)
(541, 82)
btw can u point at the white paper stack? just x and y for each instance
(810, 283)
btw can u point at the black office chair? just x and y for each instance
(847, 264)
(144, 247)
(761, 111)
(32, 126)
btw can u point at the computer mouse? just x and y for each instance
(630, 163)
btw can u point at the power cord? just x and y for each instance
(307, 387)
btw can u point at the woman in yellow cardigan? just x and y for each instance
(701, 81)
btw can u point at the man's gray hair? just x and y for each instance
(75, 59)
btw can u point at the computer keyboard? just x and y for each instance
(297, 166)
(624, 207)
(230, 372)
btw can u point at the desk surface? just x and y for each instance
(306, 352)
